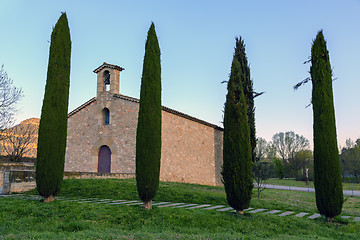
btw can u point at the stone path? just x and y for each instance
(306, 189)
(209, 207)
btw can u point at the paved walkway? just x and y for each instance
(205, 207)
(305, 189)
(289, 188)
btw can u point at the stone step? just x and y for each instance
(272, 212)
(258, 210)
(214, 207)
(199, 206)
(248, 209)
(160, 203)
(186, 205)
(225, 209)
(286, 213)
(316, 215)
(171, 205)
(118, 202)
(138, 203)
(301, 214)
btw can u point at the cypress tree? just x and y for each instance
(327, 173)
(148, 135)
(247, 85)
(237, 164)
(53, 121)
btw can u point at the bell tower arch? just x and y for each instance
(108, 78)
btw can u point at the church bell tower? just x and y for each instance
(108, 78)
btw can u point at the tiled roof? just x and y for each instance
(78, 109)
(169, 110)
(104, 65)
(166, 109)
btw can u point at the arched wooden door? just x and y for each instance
(104, 159)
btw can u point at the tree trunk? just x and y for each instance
(148, 204)
(240, 211)
(49, 199)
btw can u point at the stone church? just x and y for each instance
(102, 134)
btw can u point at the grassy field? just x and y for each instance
(287, 182)
(23, 219)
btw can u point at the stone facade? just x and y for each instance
(191, 148)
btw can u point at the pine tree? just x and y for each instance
(327, 173)
(237, 153)
(247, 85)
(148, 135)
(53, 121)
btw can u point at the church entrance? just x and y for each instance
(104, 159)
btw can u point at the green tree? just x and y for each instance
(350, 159)
(303, 160)
(327, 175)
(53, 121)
(288, 144)
(261, 168)
(237, 152)
(148, 135)
(247, 85)
(279, 168)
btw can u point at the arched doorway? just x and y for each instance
(104, 159)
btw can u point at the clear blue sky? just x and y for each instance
(197, 43)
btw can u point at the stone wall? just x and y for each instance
(189, 153)
(191, 148)
(14, 166)
(18, 181)
(93, 175)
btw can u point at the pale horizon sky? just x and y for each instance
(197, 40)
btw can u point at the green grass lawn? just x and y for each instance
(287, 182)
(23, 219)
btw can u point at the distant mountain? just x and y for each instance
(20, 139)
(33, 121)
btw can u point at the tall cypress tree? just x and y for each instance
(148, 135)
(237, 164)
(327, 173)
(53, 121)
(247, 85)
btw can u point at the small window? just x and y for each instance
(107, 80)
(106, 116)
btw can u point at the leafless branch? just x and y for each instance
(256, 94)
(299, 84)
(20, 140)
(9, 96)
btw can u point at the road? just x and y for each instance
(289, 188)
(304, 189)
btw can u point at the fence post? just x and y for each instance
(6, 182)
